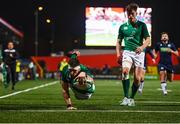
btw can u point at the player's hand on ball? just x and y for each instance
(71, 108)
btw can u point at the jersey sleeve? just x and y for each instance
(145, 31)
(120, 34)
(173, 47)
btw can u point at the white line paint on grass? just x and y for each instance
(29, 89)
(161, 90)
(157, 102)
(101, 111)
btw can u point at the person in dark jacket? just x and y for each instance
(9, 57)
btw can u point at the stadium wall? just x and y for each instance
(98, 61)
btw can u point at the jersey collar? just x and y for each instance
(166, 42)
(129, 23)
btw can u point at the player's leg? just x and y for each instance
(8, 76)
(170, 73)
(135, 86)
(138, 74)
(126, 66)
(163, 78)
(125, 83)
(163, 82)
(170, 76)
(13, 75)
(141, 86)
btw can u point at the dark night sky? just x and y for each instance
(68, 19)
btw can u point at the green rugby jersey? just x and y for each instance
(66, 77)
(133, 35)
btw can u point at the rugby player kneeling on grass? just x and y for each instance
(78, 78)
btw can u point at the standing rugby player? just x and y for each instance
(133, 32)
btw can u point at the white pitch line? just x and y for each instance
(27, 90)
(101, 111)
(164, 102)
(161, 89)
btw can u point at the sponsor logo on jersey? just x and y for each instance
(163, 49)
(125, 28)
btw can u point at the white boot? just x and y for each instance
(125, 101)
(131, 102)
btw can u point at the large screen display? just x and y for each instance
(102, 24)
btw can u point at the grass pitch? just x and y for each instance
(46, 104)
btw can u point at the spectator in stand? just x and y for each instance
(18, 70)
(62, 64)
(106, 69)
(32, 71)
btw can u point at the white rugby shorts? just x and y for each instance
(130, 57)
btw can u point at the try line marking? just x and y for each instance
(101, 111)
(29, 89)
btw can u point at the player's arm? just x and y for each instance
(118, 44)
(175, 52)
(145, 44)
(146, 37)
(118, 48)
(66, 95)
(119, 51)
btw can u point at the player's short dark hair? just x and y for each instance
(164, 33)
(73, 62)
(131, 7)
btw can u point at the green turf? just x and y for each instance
(103, 107)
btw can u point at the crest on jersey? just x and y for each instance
(125, 28)
(169, 45)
